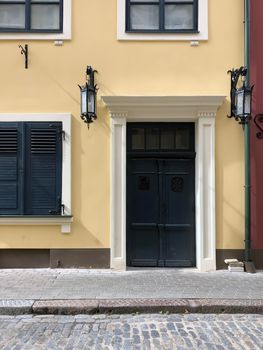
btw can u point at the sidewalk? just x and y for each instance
(143, 290)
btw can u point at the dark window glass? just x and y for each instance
(160, 137)
(31, 15)
(182, 139)
(162, 15)
(138, 138)
(152, 139)
(167, 139)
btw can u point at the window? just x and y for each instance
(176, 24)
(159, 137)
(31, 168)
(163, 16)
(31, 16)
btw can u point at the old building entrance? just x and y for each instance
(161, 194)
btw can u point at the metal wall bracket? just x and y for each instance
(24, 51)
(259, 120)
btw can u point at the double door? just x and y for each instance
(160, 212)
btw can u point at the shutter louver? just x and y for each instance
(43, 168)
(11, 168)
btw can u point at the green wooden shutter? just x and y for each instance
(43, 160)
(11, 168)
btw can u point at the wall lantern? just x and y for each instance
(241, 97)
(88, 97)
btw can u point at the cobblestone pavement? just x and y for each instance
(138, 332)
(143, 283)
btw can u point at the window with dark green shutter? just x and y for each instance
(30, 168)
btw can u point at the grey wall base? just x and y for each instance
(55, 258)
(92, 258)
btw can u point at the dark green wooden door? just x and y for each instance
(160, 210)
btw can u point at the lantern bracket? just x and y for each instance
(90, 72)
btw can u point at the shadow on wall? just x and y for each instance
(229, 181)
(90, 179)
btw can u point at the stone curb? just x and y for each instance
(124, 306)
(16, 307)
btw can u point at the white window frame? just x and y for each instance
(201, 35)
(65, 35)
(65, 221)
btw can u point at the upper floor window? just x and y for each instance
(163, 16)
(31, 16)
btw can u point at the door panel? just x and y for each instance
(160, 212)
(143, 213)
(179, 214)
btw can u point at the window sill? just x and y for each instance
(35, 36)
(64, 221)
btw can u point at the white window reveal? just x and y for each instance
(162, 20)
(35, 19)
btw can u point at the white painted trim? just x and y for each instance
(199, 109)
(205, 193)
(118, 195)
(201, 35)
(65, 118)
(66, 35)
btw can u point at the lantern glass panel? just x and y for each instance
(91, 102)
(248, 102)
(240, 102)
(83, 101)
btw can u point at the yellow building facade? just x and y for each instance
(143, 77)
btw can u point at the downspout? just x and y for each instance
(248, 256)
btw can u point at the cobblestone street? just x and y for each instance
(189, 331)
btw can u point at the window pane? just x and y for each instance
(45, 16)
(152, 139)
(179, 1)
(144, 17)
(182, 139)
(179, 17)
(167, 139)
(12, 16)
(137, 138)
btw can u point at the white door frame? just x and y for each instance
(199, 109)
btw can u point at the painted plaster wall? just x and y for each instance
(256, 144)
(125, 68)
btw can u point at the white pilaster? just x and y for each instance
(118, 191)
(205, 192)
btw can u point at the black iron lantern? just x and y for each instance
(88, 97)
(241, 98)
